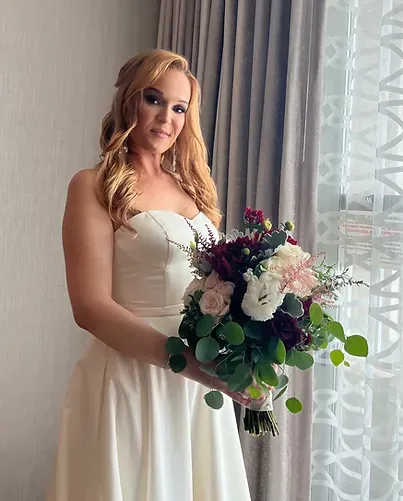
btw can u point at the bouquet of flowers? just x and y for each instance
(255, 306)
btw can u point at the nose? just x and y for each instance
(164, 116)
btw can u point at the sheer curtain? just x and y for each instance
(357, 414)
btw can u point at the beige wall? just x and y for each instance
(58, 64)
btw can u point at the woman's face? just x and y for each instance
(162, 114)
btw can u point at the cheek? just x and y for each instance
(179, 124)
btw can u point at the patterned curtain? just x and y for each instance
(357, 430)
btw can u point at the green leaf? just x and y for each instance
(214, 399)
(183, 330)
(294, 405)
(205, 325)
(254, 392)
(269, 350)
(242, 370)
(207, 349)
(276, 239)
(356, 345)
(267, 372)
(234, 333)
(208, 370)
(198, 295)
(292, 305)
(282, 381)
(336, 329)
(316, 314)
(347, 364)
(290, 357)
(175, 345)
(281, 352)
(337, 357)
(303, 360)
(280, 393)
(177, 363)
(237, 383)
(254, 330)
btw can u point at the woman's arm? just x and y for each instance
(88, 240)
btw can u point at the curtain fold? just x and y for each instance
(259, 66)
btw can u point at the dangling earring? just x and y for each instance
(174, 159)
(125, 149)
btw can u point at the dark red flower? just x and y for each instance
(253, 217)
(292, 241)
(306, 304)
(230, 261)
(286, 328)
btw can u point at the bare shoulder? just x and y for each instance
(82, 205)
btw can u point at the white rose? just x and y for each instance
(195, 285)
(293, 253)
(262, 297)
(213, 303)
(212, 280)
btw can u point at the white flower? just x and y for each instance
(213, 303)
(285, 256)
(262, 297)
(195, 285)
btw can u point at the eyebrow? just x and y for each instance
(157, 91)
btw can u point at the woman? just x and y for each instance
(130, 429)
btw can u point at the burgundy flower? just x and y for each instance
(306, 304)
(292, 241)
(230, 261)
(253, 217)
(286, 328)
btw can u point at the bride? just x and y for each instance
(130, 429)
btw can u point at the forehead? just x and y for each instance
(175, 85)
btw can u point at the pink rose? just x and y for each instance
(195, 285)
(226, 289)
(212, 280)
(213, 303)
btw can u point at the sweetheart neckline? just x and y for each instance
(164, 212)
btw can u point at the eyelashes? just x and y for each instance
(155, 101)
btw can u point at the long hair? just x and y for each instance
(117, 178)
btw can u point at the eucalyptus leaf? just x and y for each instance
(177, 363)
(205, 325)
(275, 239)
(316, 314)
(281, 352)
(207, 349)
(175, 345)
(336, 330)
(356, 345)
(303, 360)
(280, 393)
(237, 383)
(292, 306)
(294, 405)
(270, 348)
(254, 330)
(234, 333)
(183, 330)
(214, 399)
(267, 372)
(337, 357)
(254, 392)
(290, 357)
(347, 364)
(282, 381)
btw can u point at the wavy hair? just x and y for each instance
(117, 178)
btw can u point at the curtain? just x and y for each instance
(357, 431)
(259, 66)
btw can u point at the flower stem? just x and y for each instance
(259, 423)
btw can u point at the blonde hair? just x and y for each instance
(117, 178)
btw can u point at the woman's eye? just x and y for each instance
(179, 109)
(151, 99)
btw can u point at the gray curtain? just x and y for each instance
(259, 66)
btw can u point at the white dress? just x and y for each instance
(130, 431)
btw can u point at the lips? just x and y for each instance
(161, 133)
